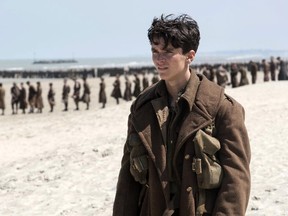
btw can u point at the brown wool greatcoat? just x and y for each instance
(205, 100)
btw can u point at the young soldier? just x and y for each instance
(172, 127)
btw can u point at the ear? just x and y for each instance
(190, 56)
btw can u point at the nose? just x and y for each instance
(160, 57)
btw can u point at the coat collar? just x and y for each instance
(189, 94)
(160, 106)
(201, 96)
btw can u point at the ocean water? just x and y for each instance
(212, 57)
(27, 64)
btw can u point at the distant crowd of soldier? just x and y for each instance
(239, 72)
(129, 93)
(218, 73)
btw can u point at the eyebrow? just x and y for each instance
(153, 49)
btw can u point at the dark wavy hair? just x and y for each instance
(182, 32)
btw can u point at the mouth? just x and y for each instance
(162, 68)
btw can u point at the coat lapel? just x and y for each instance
(162, 112)
(194, 121)
(150, 124)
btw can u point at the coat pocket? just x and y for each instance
(205, 164)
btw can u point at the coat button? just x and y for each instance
(187, 156)
(189, 189)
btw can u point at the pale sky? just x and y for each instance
(91, 28)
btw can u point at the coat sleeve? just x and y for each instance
(234, 156)
(128, 190)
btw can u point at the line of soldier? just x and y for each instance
(19, 95)
(34, 100)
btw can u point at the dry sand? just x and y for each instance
(67, 163)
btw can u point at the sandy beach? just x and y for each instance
(67, 163)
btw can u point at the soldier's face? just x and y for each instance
(170, 62)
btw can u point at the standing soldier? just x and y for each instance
(2, 98)
(145, 82)
(187, 150)
(155, 78)
(22, 98)
(127, 92)
(15, 92)
(116, 93)
(76, 93)
(265, 67)
(31, 97)
(222, 77)
(102, 93)
(282, 75)
(233, 74)
(206, 72)
(137, 88)
(65, 94)
(253, 69)
(86, 93)
(51, 97)
(243, 79)
(273, 68)
(212, 72)
(39, 98)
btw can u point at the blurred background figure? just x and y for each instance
(2, 98)
(51, 97)
(265, 67)
(137, 88)
(22, 98)
(65, 95)
(282, 75)
(86, 93)
(76, 93)
(272, 68)
(116, 93)
(15, 92)
(145, 81)
(155, 78)
(253, 68)
(128, 91)
(102, 93)
(221, 76)
(234, 74)
(243, 79)
(31, 97)
(39, 99)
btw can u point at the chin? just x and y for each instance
(162, 76)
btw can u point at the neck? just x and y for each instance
(174, 87)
